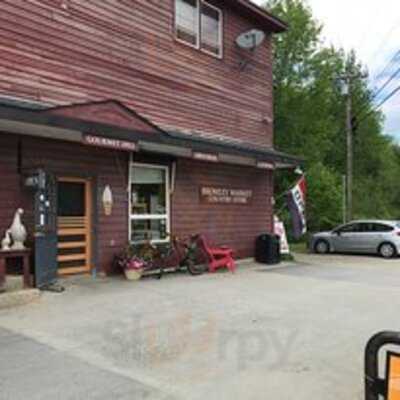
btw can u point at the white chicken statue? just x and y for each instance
(6, 242)
(18, 231)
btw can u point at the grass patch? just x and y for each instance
(287, 257)
(299, 247)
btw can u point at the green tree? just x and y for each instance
(310, 122)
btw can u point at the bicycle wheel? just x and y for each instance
(197, 261)
(194, 268)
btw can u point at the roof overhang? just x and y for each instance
(265, 19)
(53, 124)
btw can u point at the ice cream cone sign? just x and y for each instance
(107, 200)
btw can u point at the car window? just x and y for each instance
(382, 228)
(366, 227)
(349, 228)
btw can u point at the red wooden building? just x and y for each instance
(136, 118)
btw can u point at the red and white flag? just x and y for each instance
(297, 207)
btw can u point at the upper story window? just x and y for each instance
(187, 21)
(199, 24)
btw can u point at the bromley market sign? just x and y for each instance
(109, 143)
(220, 195)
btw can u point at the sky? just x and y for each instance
(372, 29)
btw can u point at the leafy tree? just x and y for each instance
(310, 122)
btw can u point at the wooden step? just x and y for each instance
(72, 232)
(71, 257)
(71, 245)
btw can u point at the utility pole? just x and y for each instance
(347, 80)
(349, 158)
(348, 184)
(344, 197)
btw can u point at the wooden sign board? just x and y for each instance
(221, 195)
(265, 165)
(393, 378)
(109, 143)
(205, 156)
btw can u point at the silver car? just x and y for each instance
(372, 237)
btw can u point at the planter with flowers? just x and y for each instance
(137, 259)
(130, 264)
(133, 269)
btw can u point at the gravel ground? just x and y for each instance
(297, 331)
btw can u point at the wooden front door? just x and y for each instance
(74, 199)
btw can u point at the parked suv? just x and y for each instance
(373, 237)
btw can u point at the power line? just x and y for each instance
(388, 65)
(379, 91)
(377, 13)
(385, 39)
(386, 99)
(393, 76)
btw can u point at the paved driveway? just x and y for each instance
(297, 331)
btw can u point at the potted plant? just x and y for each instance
(131, 265)
(133, 268)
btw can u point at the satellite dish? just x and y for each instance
(250, 40)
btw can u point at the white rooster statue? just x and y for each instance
(18, 231)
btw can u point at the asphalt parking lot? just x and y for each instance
(297, 331)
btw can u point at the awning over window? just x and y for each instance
(111, 124)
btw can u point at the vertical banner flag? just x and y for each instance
(297, 207)
(279, 230)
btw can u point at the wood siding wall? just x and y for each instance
(102, 166)
(234, 225)
(71, 51)
(10, 194)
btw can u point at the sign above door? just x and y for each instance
(222, 195)
(116, 144)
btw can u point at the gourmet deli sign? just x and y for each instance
(221, 195)
(109, 143)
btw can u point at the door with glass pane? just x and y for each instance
(74, 225)
(149, 203)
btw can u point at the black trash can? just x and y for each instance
(268, 249)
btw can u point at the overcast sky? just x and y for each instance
(372, 28)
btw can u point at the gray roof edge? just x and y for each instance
(257, 151)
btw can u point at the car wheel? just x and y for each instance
(321, 247)
(387, 250)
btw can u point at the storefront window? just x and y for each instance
(149, 213)
(144, 229)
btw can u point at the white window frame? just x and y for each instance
(194, 46)
(198, 46)
(134, 217)
(221, 30)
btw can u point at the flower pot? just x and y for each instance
(133, 274)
